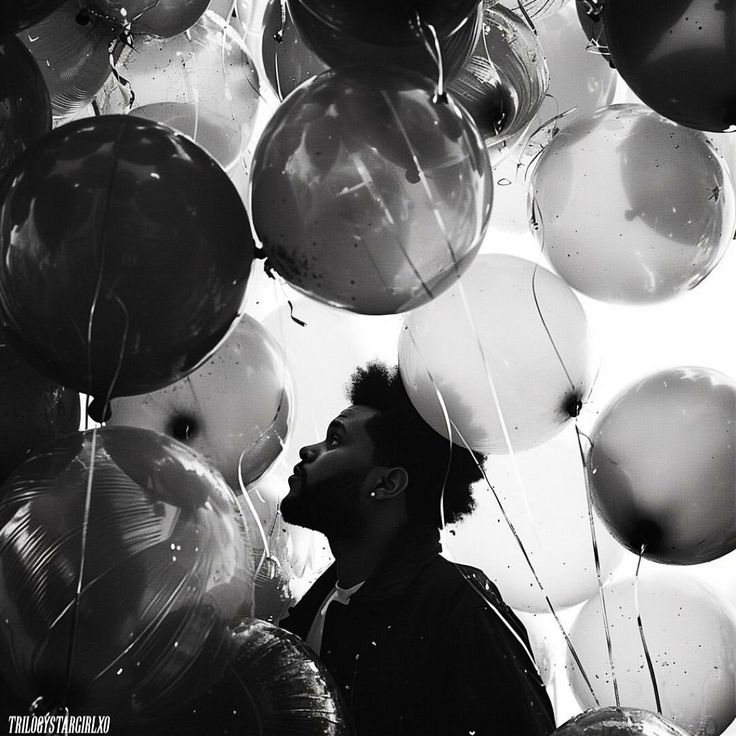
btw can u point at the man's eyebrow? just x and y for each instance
(336, 424)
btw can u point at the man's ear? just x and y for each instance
(389, 483)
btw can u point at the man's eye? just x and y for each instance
(333, 440)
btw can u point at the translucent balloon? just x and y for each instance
(125, 255)
(418, 51)
(505, 80)
(367, 193)
(547, 504)
(73, 52)
(662, 466)
(23, 13)
(678, 59)
(667, 215)
(166, 569)
(612, 721)
(273, 686)
(287, 59)
(690, 635)
(25, 110)
(234, 410)
(390, 22)
(163, 18)
(512, 369)
(535, 9)
(33, 410)
(202, 83)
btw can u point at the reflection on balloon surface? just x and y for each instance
(163, 18)
(613, 721)
(125, 255)
(166, 570)
(603, 220)
(367, 193)
(661, 467)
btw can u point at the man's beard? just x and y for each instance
(331, 510)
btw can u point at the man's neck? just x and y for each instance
(357, 558)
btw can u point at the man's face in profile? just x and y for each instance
(324, 491)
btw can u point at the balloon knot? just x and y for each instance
(99, 411)
(572, 405)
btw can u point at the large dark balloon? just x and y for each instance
(72, 50)
(590, 15)
(15, 15)
(162, 18)
(368, 192)
(125, 255)
(25, 110)
(416, 52)
(678, 56)
(166, 569)
(33, 410)
(273, 686)
(390, 22)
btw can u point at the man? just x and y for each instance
(417, 645)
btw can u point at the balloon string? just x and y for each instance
(435, 51)
(279, 35)
(366, 178)
(266, 554)
(80, 575)
(528, 561)
(122, 81)
(596, 556)
(121, 355)
(423, 179)
(648, 657)
(497, 405)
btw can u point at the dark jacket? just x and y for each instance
(419, 649)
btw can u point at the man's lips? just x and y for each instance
(296, 478)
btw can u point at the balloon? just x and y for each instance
(690, 635)
(162, 18)
(505, 80)
(274, 685)
(367, 194)
(287, 59)
(33, 410)
(20, 14)
(202, 83)
(234, 410)
(125, 255)
(72, 50)
(390, 22)
(677, 58)
(613, 721)
(417, 52)
(661, 466)
(549, 510)
(165, 565)
(524, 333)
(590, 15)
(535, 9)
(25, 110)
(634, 244)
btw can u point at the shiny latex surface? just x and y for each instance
(33, 410)
(25, 109)
(234, 410)
(166, 570)
(163, 18)
(17, 15)
(524, 332)
(125, 255)
(417, 52)
(201, 83)
(661, 468)
(274, 685)
(504, 82)
(612, 721)
(678, 56)
(367, 194)
(389, 22)
(72, 51)
(630, 207)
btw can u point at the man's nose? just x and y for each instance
(308, 452)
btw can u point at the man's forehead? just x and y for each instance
(355, 414)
